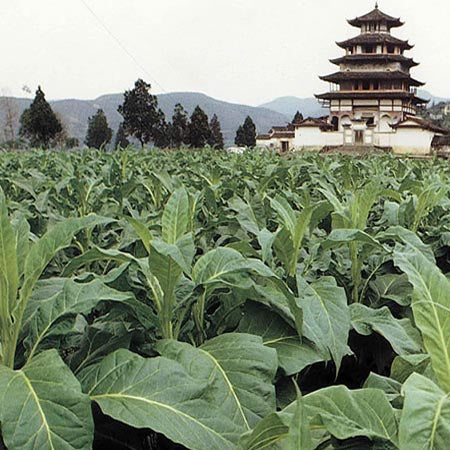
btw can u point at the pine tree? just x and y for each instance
(161, 131)
(250, 132)
(121, 140)
(239, 140)
(179, 129)
(98, 134)
(141, 116)
(39, 123)
(298, 117)
(216, 138)
(199, 132)
(246, 134)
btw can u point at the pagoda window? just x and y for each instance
(391, 48)
(371, 49)
(376, 85)
(366, 85)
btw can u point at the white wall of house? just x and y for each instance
(414, 141)
(407, 140)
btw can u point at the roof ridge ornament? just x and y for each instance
(376, 5)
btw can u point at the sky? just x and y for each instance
(242, 51)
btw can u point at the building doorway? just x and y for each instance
(284, 146)
(359, 137)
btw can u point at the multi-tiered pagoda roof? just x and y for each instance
(374, 65)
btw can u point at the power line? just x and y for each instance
(122, 46)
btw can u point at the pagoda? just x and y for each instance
(373, 87)
(372, 101)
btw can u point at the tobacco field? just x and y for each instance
(214, 301)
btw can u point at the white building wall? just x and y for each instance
(414, 141)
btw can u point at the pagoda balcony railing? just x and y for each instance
(413, 91)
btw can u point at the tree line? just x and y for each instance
(143, 121)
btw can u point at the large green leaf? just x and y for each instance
(95, 254)
(9, 269)
(219, 266)
(425, 420)
(431, 307)
(239, 370)
(346, 236)
(403, 337)
(175, 219)
(294, 353)
(346, 414)
(55, 299)
(326, 316)
(57, 238)
(392, 287)
(299, 436)
(43, 407)
(269, 434)
(159, 393)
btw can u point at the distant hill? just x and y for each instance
(75, 113)
(427, 96)
(290, 105)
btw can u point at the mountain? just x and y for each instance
(75, 113)
(290, 105)
(427, 96)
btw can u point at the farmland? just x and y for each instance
(205, 300)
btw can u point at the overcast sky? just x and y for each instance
(245, 51)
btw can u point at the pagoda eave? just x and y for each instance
(376, 16)
(377, 57)
(359, 22)
(379, 38)
(376, 76)
(339, 95)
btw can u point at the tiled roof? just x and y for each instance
(370, 95)
(441, 141)
(263, 137)
(420, 123)
(375, 57)
(313, 122)
(375, 75)
(376, 16)
(374, 38)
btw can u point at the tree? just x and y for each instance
(121, 138)
(72, 142)
(216, 138)
(298, 117)
(141, 116)
(199, 132)
(179, 129)
(246, 134)
(161, 131)
(38, 123)
(98, 134)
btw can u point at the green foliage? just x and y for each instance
(142, 118)
(246, 134)
(179, 130)
(216, 138)
(298, 117)
(198, 129)
(98, 134)
(39, 123)
(121, 140)
(208, 285)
